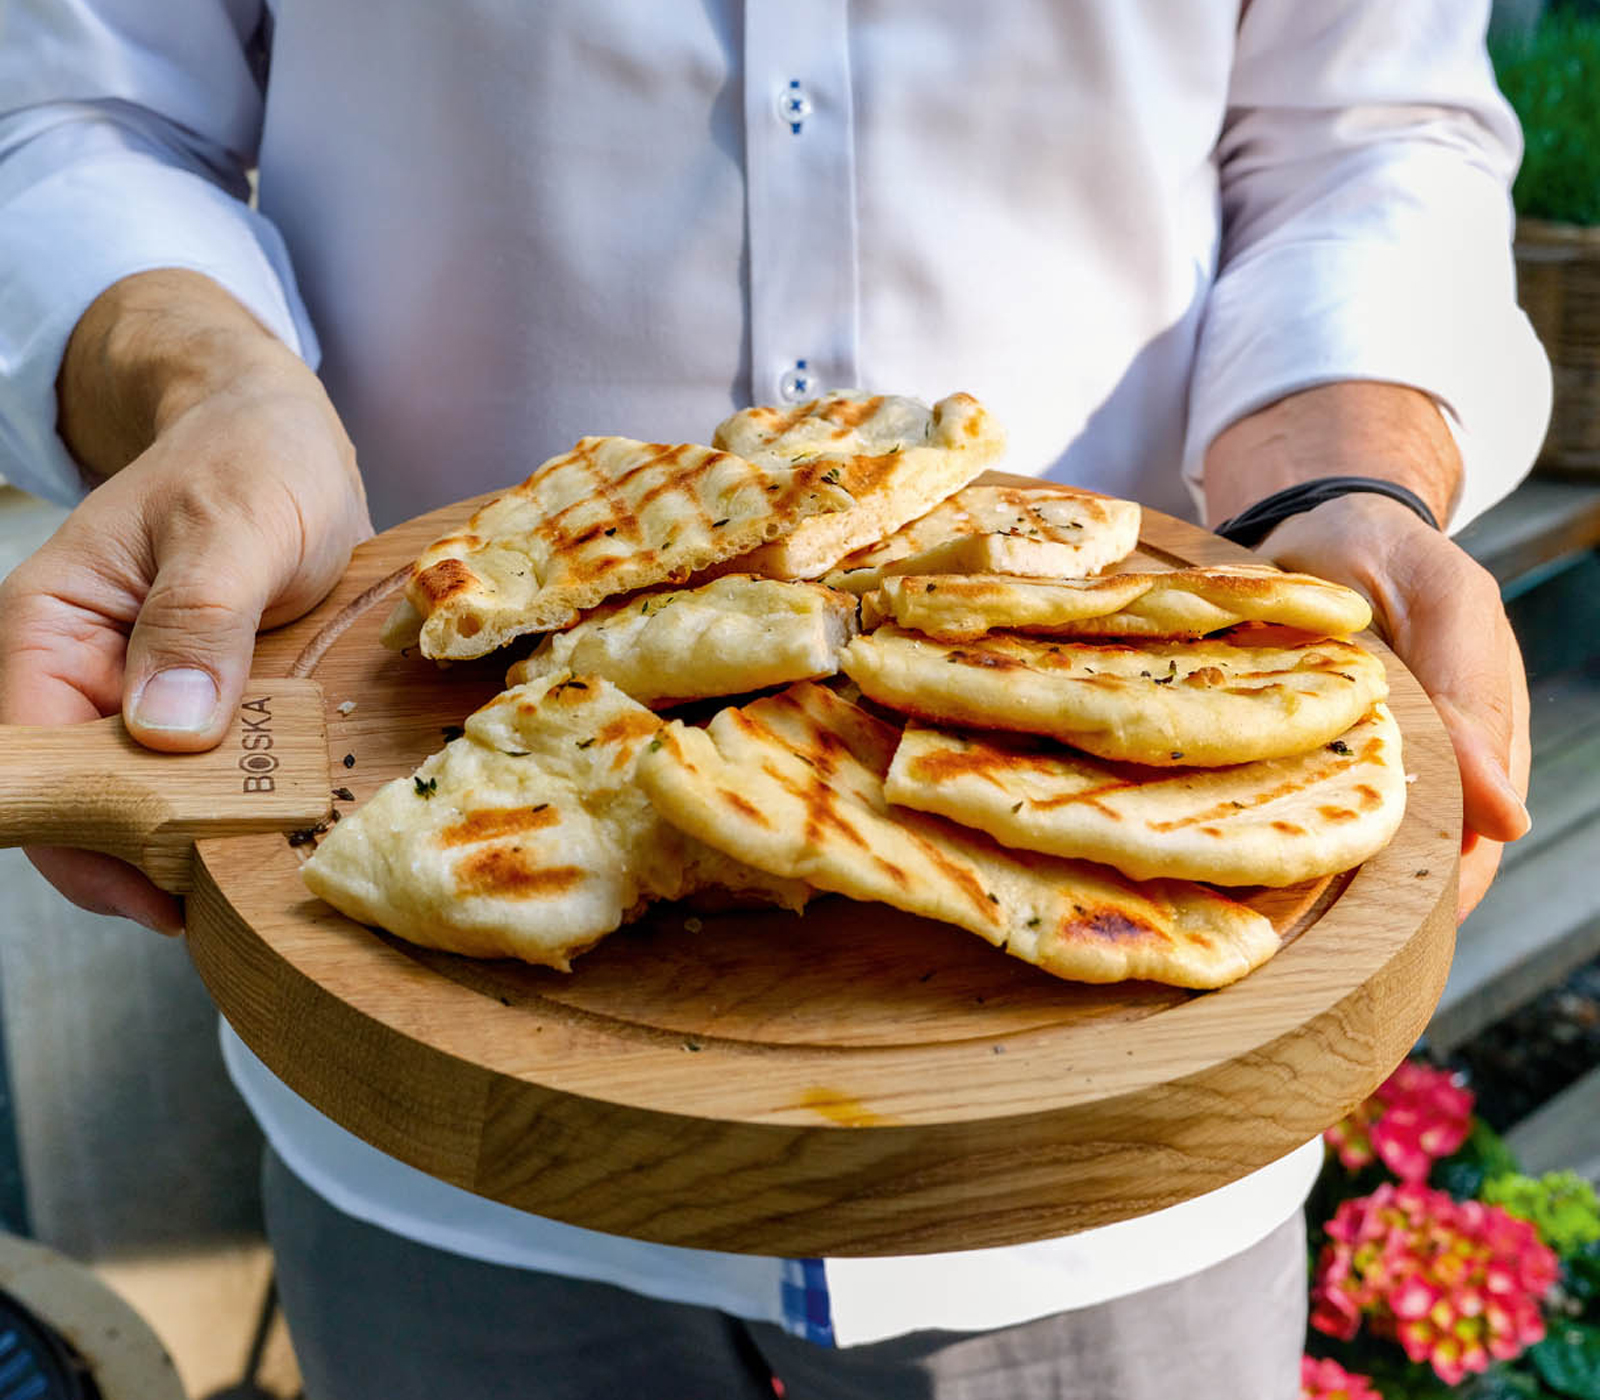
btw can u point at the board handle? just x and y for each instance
(91, 786)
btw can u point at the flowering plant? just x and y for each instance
(1437, 1269)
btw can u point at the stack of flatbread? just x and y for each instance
(971, 716)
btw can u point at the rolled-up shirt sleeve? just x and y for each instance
(124, 147)
(1365, 165)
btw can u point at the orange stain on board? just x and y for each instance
(844, 1109)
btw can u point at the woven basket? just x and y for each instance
(1558, 284)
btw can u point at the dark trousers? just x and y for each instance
(375, 1316)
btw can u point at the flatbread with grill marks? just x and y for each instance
(1276, 821)
(611, 516)
(1042, 531)
(729, 637)
(895, 456)
(526, 837)
(1178, 603)
(794, 784)
(1259, 694)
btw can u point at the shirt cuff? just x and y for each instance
(69, 236)
(1300, 316)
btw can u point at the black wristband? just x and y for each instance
(1250, 526)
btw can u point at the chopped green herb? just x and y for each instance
(1177, 754)
(515, 753)
(1016, 807)
(653, 745)
(344, 794)
(718, 524)
(541, 807)
(426, 789)
(584, 743)
(993, 899)
(611, 531)
(349, 760)
(1340, 747)
(831, 476)
(1033, 922)
(931, 588)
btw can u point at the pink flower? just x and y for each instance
(1328, 1380)
(1417, 1115)
(1458, 1284)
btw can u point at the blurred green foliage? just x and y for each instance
(1552, 80)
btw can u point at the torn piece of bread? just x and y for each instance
(1042, 531)
(1179, 603)
(728, 637)
(1275, 821)
(526, 837)
(794, 784)
(1204, 703)
(611, 516)
(895, 456)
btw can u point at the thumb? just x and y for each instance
(189, 652)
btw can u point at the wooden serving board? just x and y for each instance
(847, 1082)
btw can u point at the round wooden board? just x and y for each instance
(848, 1082)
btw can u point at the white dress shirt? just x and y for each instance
(1123, 224)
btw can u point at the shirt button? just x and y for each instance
(794, 104)
(797, 384)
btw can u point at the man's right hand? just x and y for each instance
(231, 503)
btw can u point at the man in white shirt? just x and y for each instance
(1184, 253)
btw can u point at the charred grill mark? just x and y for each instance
(847, 413)
(629, 726)
(490, 823)
(747, 810)
(508, 872)
(440, 582)
(1111, 925)
(893, 871)
(1288, 828)
(946, 765)
(1370, 798)
(960, 878)
(1336, 814)
(1232, 807)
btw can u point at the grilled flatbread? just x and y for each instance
(524, 838)
(1179, 603)
(731, 636)
(1204, 703)
(611, 516)
(895, 456)
(1041, 531)
(1272, 822)
(794, 784)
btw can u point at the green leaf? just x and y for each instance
(1550, 80)
(1581, 1275)
(1484, 1154)
(1568, 1360)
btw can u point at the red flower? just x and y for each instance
(1328, 1380)
(1417, 1115)
(1457, 1283)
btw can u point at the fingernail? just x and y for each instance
(180, 700)
(1524, 817)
